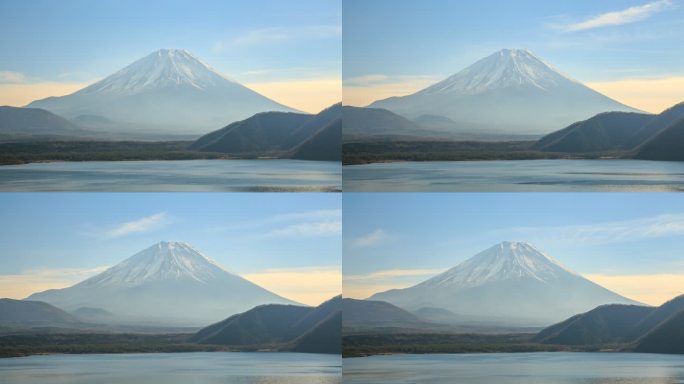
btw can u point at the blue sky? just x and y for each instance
(620, 240)
(287, 242)
(259, 42)
(401, 46)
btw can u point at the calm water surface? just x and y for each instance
(174, 368)
(181, 175)
(519, 175)
(517, 368)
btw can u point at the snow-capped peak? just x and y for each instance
(505, 68)
(162, 261)
(504, 261)
(160, 69)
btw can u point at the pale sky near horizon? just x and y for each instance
(630, 243)
(288, 243)
(288, 51)
(626, 49)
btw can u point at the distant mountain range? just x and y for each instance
(303, 136)
(511, 283)
(648, 329)
(373, 314)
(169, 283)
(378, 124)
(167, 91)
(33, 313)
(282, 327)
(37, 123)
(510, 91)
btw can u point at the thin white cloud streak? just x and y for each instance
(279, 35)
(370, 239)
(145, 224)
(308, 215)
(313, 223)
(310, 229)
(364, 291)
(625, 16)
(362, 286)
(393, 273)
(11, 77)
(366, 80)
(363, 90)
(611, 231)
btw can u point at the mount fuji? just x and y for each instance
(167, 91)
(168, 283)
(511, 283)
(511, 91)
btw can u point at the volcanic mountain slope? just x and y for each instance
(667, 145)
(283, 327)
(651, 137)
(277, 133)
(169, 283)
(645, 329)
(166, 91)
(511, 283)
(603, 132)
(326, 145)
(658, 124)
(510, 91)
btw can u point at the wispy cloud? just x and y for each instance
(273, 35)
(307, 215)
(309, 285)
(393, 273)
(625, 16)
(363, 90)
(362, 286)
(609, 232)
(322, 222)
(330, 227)
(21, 285)
(11, 77)
(370, 239)
(144, 224)
(366, 80)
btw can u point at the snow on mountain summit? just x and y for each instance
(511, 91)
(505, 68)
(162, 261)
(167, 283)
(163, 68)
(506, 260)
(509, 283)
(168, 91)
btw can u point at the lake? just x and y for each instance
(517, 368)
(516, 176)
(174, 368)
(180, 175)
